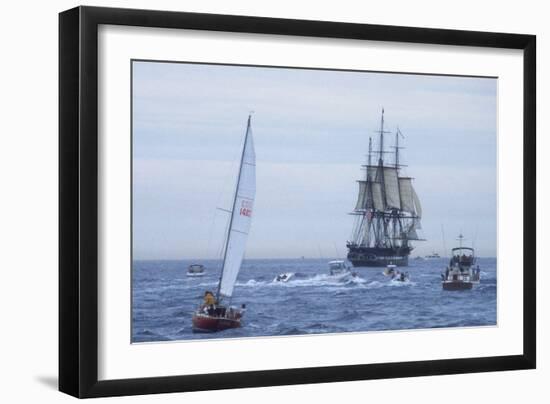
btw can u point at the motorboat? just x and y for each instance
(462, 273)
(195, 270)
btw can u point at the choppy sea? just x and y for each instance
(311, 302)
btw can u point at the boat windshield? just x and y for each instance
(463, 251)
(336, 265)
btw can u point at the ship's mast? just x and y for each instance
(397, 166)
(380, 176)
(368, 213)
(397, 149)
(381, 151)
(370, 157)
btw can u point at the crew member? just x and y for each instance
(209, 302)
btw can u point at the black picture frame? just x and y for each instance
(78, 200)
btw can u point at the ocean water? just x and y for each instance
(311, 302)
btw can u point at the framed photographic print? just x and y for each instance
(250, 201)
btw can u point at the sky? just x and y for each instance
(311, 131)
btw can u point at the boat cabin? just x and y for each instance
(195, 269)
(337, 267)
(463, 257)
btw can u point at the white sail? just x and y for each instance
(417, 206)
(241, 217)
(362, 198)
(406, 194)
(391, 183)
(412, 235)
(377, 199)
(371, 172)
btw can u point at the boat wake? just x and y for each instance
(300, 281)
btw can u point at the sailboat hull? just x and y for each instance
(378, 257)
(206, 323)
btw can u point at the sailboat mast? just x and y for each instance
(233, 208)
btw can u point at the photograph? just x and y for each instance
(276, 201)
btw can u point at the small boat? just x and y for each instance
(390, 270)
(397, 276)
(216, 313)
(432, 256)
(462, 273)
(338, 267)
(195, 270)
(283, 277)
(400, 276)
(418, 258)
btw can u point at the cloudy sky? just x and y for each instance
(311, 131)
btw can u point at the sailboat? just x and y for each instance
(221, 315)
(388, 211)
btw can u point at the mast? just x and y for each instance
(233, 207)
(370, 157)
(368, 213)
(401, 234)
(460, 238)
(397, 149)
(380, 174)
(381, 151)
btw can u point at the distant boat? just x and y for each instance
(387, 211)
(219, 315)
(340, 268)
(195, 270)
(432, 256)
(390, 270)
(462, 272)
(400, 276)
(283, 277)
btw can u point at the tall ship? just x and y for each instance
(387, 211)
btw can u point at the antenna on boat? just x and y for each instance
(475, 237)
(336, 248)
(460, 239)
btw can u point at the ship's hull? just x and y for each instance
(457, 285)
(378, 257)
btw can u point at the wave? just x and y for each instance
(395, 282)
(301, 281)
(291, 331)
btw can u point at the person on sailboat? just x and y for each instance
(209, 302)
